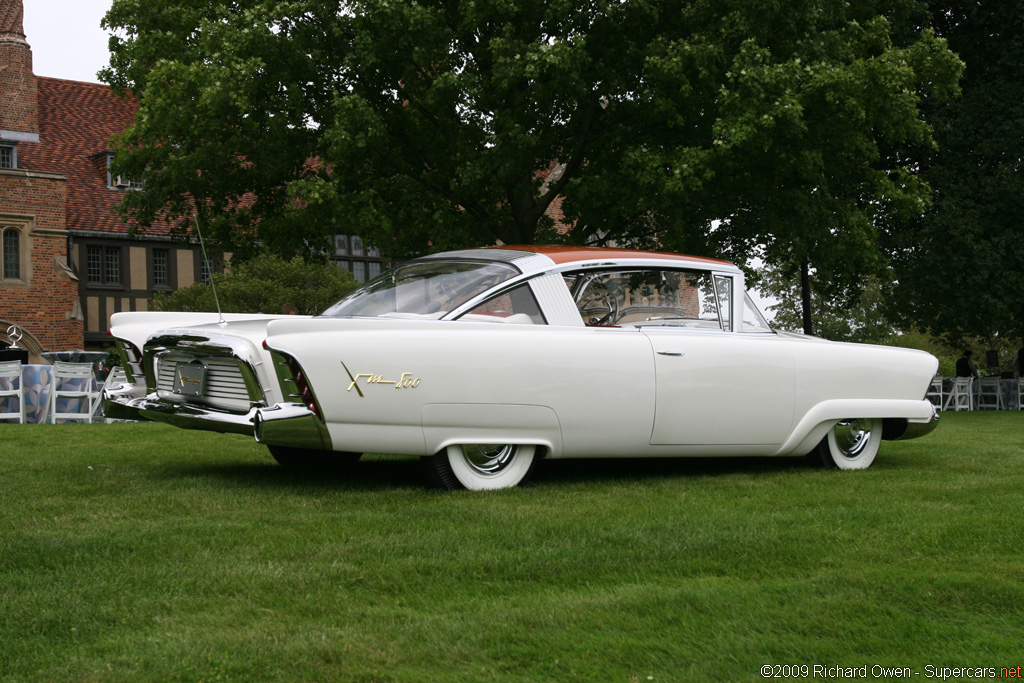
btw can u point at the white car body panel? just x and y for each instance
(701, 386)
(479, 364)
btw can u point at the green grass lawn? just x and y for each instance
(140, 552)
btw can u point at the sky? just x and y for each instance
(66, 38)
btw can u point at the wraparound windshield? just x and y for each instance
(423, 289)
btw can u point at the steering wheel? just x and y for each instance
(601, 300)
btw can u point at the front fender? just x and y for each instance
(448, 424)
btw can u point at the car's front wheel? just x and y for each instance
(851, 444)
(310, 458)
(482, 467)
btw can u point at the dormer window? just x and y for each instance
(8, 156)
(118, 182)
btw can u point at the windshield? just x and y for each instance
(423, 289)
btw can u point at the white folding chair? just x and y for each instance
(935, 392)
(961, 395)
(73, 383)
(10, 375)
(990, 396)
(1020, 393)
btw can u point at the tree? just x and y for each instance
(446, 123)
(264, 284)
(960, 266)
(839, 318)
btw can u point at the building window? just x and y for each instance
(103, 265)
(160, 268)
(8, 156)
(205, 269)
(351, 254)
(113, 264)
(94, 264)
(10, 247)
(121, 182)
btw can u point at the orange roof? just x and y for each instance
(569, 254)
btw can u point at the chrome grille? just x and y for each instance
(225, 385)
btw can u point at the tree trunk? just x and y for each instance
(805, 294)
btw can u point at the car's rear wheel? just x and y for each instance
(851, 445)
(311, 458)
(482, 467)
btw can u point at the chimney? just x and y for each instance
(19, 102)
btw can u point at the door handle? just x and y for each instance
(671, 353)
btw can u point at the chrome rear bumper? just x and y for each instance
(899, 429)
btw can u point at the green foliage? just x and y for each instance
(865, 318)
(149, 553)
(840, 318)
(264, 284)
(960, 267)
(785, 124)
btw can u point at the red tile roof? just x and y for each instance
(76, 122)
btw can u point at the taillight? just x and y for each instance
(294, 383)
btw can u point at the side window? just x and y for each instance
(517, 307)
(677, 298)
(753, 321)
(723, 293)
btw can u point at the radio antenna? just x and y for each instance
(213, 285)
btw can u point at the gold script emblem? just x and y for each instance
(406, 381)
(184, 379)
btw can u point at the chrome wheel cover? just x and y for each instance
(488, 459)
(852, 437)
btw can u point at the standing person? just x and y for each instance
(1018, 362)
(965, 367)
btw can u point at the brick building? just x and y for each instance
(67, 260)
(37, 290)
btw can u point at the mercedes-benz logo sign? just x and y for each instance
(14, 334)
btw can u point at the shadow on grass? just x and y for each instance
(637, 469)
(383, 472)
(366, 475)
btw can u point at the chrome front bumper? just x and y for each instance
(278, 425)
(117, 402)
(192, 417)
(291, 425)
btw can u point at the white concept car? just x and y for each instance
(486, 360)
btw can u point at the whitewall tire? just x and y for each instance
(483, 467)
(851, 445)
